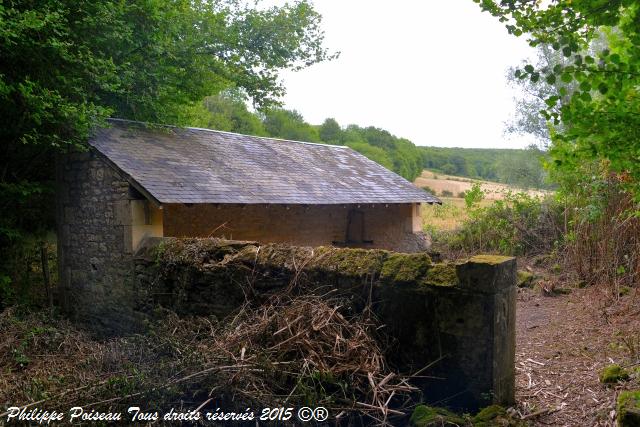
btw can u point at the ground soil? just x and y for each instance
(563, 341)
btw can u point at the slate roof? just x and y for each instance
(189, 165)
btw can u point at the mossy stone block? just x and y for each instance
(629, 409)
(612, 374)
(405, 268)
(352, 262)
(427, 416)
(441, 275)
(487, 273)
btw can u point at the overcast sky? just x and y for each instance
(432, 71)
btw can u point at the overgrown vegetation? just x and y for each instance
(292, 351)
(581, 102)
(519, 224)
(592, 236)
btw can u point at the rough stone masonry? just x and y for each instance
(94, 242)
(461, 316)
(459, 319)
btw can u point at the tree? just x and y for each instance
(405, 157)
(599, 121)
(228, 112)
(289, 124)
(330, 131)
(69, 64)
(523, 169)
(534, 94)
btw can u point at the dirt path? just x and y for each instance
(562, 343)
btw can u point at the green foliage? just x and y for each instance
(473, 196)
(584, 100)
(405, 157)
(594, 113)
(517, 225)
(523, 168)
(228, 112)
(290, 125)
(330, 131)
(520, 168)
(612, 374)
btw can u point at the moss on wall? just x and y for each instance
(430, 318)
(442, 274)
(629, 409)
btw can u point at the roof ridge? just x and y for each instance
(343, 147)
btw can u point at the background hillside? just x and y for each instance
(521, 168)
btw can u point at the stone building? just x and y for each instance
(138, 181)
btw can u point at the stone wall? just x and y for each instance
(457, 319)
(101, 219)
(93, 213)
(394, 227)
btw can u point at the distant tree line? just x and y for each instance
(229, 112)
(519, 167)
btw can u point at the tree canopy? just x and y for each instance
(69, 64)
(598, 121)
(227, 111)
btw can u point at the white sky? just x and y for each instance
(432, 71)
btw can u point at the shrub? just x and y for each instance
(446, 193)
(473, 196)
(517, 225)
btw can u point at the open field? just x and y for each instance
(452, 213)
(458, 184)
(447, 216)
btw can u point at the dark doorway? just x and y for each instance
(355, 227)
